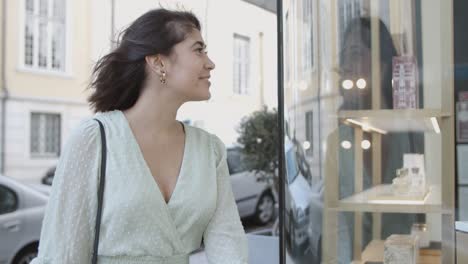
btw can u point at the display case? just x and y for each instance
(369, 116)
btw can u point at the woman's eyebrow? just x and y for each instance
(199, 43)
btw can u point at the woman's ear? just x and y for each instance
(156, 64)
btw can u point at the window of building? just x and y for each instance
(45, 134)
(348, 10)
(44, 34)
(307, 38)
(309, 132)
(241, 64)
(287, 68)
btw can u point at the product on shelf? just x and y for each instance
(420, 230)
(401, 249)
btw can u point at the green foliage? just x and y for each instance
(258, 135)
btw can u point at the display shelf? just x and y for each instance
(371, 200)
(374, 252)
(394, 120)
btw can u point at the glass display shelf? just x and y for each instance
(374, 252)
(379, 198)
(394, 120)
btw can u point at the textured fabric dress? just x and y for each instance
(138, 226)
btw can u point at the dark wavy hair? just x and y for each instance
(118, 77)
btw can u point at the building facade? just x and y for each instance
(49, 48)
(45, 68)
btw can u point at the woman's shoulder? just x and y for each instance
(206, 138)
(201, 134)
(85, 131)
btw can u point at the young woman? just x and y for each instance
(167, 184)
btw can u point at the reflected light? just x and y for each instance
(346, 144)
(435, 124)
(306, 145)
(347, 84)
(365, 144)
(303, 86)
(361, 83)
(367, 126)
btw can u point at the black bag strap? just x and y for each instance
(102, 180)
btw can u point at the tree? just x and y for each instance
(259, 138)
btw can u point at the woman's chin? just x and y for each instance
(201, 97)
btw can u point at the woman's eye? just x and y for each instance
(201, 50)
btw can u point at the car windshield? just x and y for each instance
(291, 165)
(235, 160)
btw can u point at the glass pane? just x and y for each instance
(236, 161)
(43, 8)
(8, 201)
(43, 47)
(59, 10)
(380, 100)
(58, 46)
(30, 6)
(34, 133)
(29, 40)
(463, 203)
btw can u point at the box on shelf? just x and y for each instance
(401, 249)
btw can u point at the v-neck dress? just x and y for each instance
(138, 226)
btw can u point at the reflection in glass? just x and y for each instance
(344, 128)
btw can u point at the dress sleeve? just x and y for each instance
(224, 237)
(67, 233)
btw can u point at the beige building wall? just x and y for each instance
(32, 90)
(24, 82)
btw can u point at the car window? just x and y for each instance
(8, 200)
(291, 165)
(235, 160)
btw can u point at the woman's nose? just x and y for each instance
(210, 64)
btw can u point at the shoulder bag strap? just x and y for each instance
(102, 179)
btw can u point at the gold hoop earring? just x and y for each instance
(162, 79)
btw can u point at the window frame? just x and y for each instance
(309, 131)
(306, 30)
(66, 70)
(237, 88)
(43, 153)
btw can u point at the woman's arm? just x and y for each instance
(224, 238)
(67, 232)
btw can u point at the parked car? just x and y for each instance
(49, 176)
(254, 199)
(304, 205)
(21, 213)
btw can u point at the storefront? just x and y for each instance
(367, 100)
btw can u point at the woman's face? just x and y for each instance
(189, 68)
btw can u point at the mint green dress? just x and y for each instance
(138, 226)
